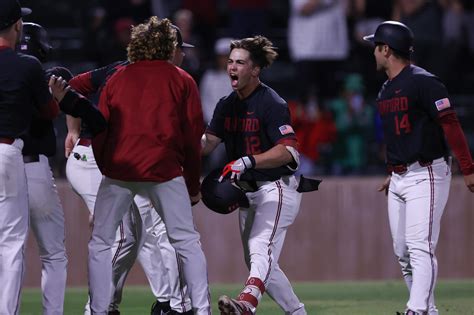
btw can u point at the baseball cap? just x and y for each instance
(10, 12)
(179, 38)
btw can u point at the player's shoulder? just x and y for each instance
(424, 78)
(420, 74)
(228, 98)
(28, 61)
(270, 97)
(181, 72)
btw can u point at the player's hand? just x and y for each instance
(59, 87)
(385, 185)
(69, 142)
(469, 180)
(238, 167)
(195, 199)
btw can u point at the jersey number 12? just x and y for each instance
(403, 123)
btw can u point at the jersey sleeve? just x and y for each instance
(90, 82)
(434, 97)
(43, 99)
(98, 141)
(82, 84)
(277, 124)
(216, 125)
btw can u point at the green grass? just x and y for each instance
(324, 298)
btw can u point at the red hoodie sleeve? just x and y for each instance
(193, 130)
(457, 142)
(82, 83)
(99, 140)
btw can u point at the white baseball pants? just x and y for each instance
(155, 254)
(161, 264)
(416, 202)
(14, 219)
(171, 200)
(47, 223)
(263, 226)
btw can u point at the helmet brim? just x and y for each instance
(25, 11)
(369, 38)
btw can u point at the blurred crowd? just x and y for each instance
(325, 70)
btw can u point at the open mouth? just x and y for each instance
(234, 79)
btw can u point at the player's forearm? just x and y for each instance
(275, 157)
(73, 124)
(457, 142)
(208, 143)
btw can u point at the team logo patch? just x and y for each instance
(286, 129)
(442, 104)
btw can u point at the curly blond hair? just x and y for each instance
(261, 49)
(153, 40)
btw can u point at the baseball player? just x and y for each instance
(154, 121)
(24, 94)
(417, 117)
(155, 253)
(254, 124)
(46, 212)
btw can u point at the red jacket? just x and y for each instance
(154, 127)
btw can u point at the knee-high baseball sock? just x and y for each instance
(252, 292)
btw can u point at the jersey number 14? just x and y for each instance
(402, 124)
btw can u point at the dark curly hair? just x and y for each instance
(153, 40)
(261, 49)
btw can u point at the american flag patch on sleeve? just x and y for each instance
(442, 104)
(286, 129)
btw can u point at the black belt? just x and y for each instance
(85, 142)
(253, 185)
(31, 158)
(6, 140)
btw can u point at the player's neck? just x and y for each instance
(6, 42)
(248, 89)
(395, 68)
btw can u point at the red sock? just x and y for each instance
(252, 292)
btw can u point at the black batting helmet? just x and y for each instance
(394, 34)
(35, 41)
(222, 197)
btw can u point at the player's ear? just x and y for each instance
(19, 26)
(256, 71)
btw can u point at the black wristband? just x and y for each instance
(252, 160)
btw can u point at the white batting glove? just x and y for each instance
(238, 167)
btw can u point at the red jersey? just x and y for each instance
(154, 127)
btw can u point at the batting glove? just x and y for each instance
(238, 167)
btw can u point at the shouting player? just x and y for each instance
(417, 117)
(254, 124)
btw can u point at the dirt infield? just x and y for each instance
(341, 233)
